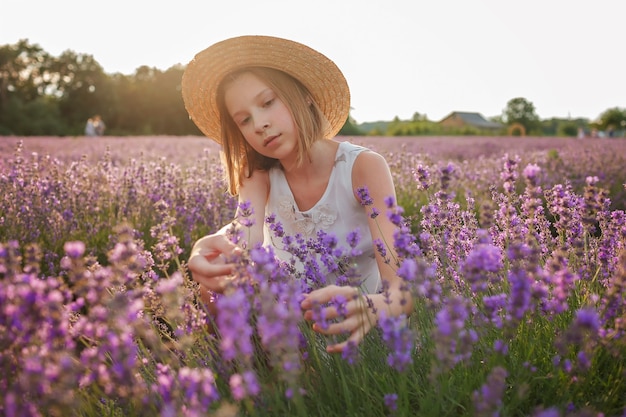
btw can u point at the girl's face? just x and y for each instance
(263, 119)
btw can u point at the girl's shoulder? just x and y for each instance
(347, 146)
(361, 154)
(257, 183)
(369, 166)
(348, 151)
(258, 176)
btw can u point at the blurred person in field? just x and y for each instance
(90, 128)
(99, 125)
(274, 106)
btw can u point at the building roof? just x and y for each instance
(473, 119)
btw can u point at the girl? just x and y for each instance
(273, 105)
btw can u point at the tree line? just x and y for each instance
(518, 118)
(47, 95)
(41, 94)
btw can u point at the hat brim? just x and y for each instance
(315, 71)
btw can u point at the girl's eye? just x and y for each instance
(243, 121)
(269, 102)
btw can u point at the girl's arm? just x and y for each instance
(207, 259)
(370, 170)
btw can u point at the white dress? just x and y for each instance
(337, 212)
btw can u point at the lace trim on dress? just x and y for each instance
(319, 218)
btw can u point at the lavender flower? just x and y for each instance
(364, 196)
(351, 353)
(422, 176)
(279, 316)
(488, 400)
(244, 214)
(580, 339)
(399, 339)
(530, 173)
(560, 281)
(189, 389)
(509, 174)
(319, 316)
(244, 385)
(520, 298)
(74, 249)
(612, 305)
(166, 248)
(483, 262)
(454, 341)
(232, 322)
(550, 412)
(391, 402)
(494, 308)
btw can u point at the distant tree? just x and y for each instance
(24, 70)
(417, 117)
(612, 120)
(83, 89)
(150, 102)
(25, 77)
(569, 128)
(144, 95)
(171, 111)
(550, 127)
(38, 117)
(497, 119)
(350, 128)
(563, 127)
(519, 110)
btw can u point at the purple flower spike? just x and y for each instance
(588, 318)
(244, 385)
(233, 325)
(350, 353)
(488, 400)
(391, 402)
(398, 338)
(364, 196)
(74, 249)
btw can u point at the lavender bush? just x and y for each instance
(515, 253)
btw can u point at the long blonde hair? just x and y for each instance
(240, 159)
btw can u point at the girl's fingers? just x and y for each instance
(208, 262)
(351, 324)
(327, 294)
(214, 283)
(355, 338)
(209, 250)
(209, 254)
(208, 272)
(354, 307)
(203, 266)
(217, 242)
(343, 327)
(358, 321)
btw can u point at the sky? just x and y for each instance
(400, 57)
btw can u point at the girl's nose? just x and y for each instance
(262, 126)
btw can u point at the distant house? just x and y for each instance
(458, 119)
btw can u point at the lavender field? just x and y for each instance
(513, 248)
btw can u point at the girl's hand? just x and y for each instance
(346, 302)
(207, 262)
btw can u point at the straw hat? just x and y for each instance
(319, 75)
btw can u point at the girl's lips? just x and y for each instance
(269, 139)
